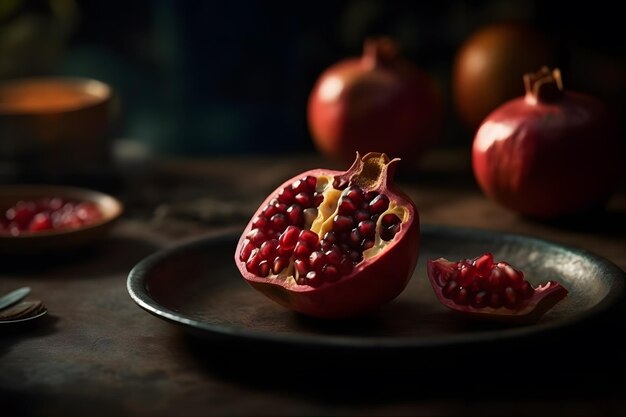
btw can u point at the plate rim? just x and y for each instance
(140, 295)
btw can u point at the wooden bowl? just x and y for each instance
(54, 124)
(57, 240)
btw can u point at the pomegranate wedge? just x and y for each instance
(487, 290)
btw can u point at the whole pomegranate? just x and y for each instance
(378, 101)
(490, 62)
(333, 244)
(481, 288)
(551, 153)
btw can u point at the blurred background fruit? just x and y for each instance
(551, 153)
(489, 65)
(379, 101)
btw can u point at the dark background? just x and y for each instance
(204, 77)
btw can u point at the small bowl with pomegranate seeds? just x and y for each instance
(46, 218)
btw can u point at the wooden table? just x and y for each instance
(98, 353)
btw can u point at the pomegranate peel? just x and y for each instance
(349, 242)
(485, 290)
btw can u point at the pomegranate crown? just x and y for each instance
(373, 171)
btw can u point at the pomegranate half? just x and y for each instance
(483, 289)
(333, 244)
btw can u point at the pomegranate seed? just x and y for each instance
(526, 290)
(361, 215)
(286, 195)
(87, 212)
(367, 243)
(280, 263)
(21, 214)
(305, 200)
(473, 287)
(317, 260)
(331, 273)
(314, 279)
(462, 297)
(318, 199)
(484, 264)
(379, 204)
(495, 280)
(246, 250)
(385, 235)
(260, 222)
(450, 289)
(389, 219)
(311, 183)
(300, 267)
(281, 207)
(394, 229)
(41, 221)
(330, 237)
(289, 238)
(263, 269)
(355, 256)
(269, 210)
(480, 299)
(510, 298)
(299, 186)
(370, 195)
(515, 277)
(279, 222)
(268, 249)
(346, 206)
(324, 245)
(310, 214)
(495, 301)
(367, 228)
(257, 236)
(294, 213)
(466, 275)
(253, 262)
(355, 238)
(343, 223)
(356, 195)
(53, 203)
(301, 250)
(333, 256)
(346, 265)
(309, 237)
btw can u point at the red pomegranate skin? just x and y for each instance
(548, 158)
(372, 283)
(377, 101)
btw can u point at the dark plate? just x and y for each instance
(198, 286)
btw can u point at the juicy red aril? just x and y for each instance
(309, 237)
(483, 283)
(294, 214)
(46, 214)
(280, 235)
(41, 221)
(346, 206)
(390, 225)
(356, 195)
(379, 204)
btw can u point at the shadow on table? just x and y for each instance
(579, 363)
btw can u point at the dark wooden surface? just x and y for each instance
(98, 353)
